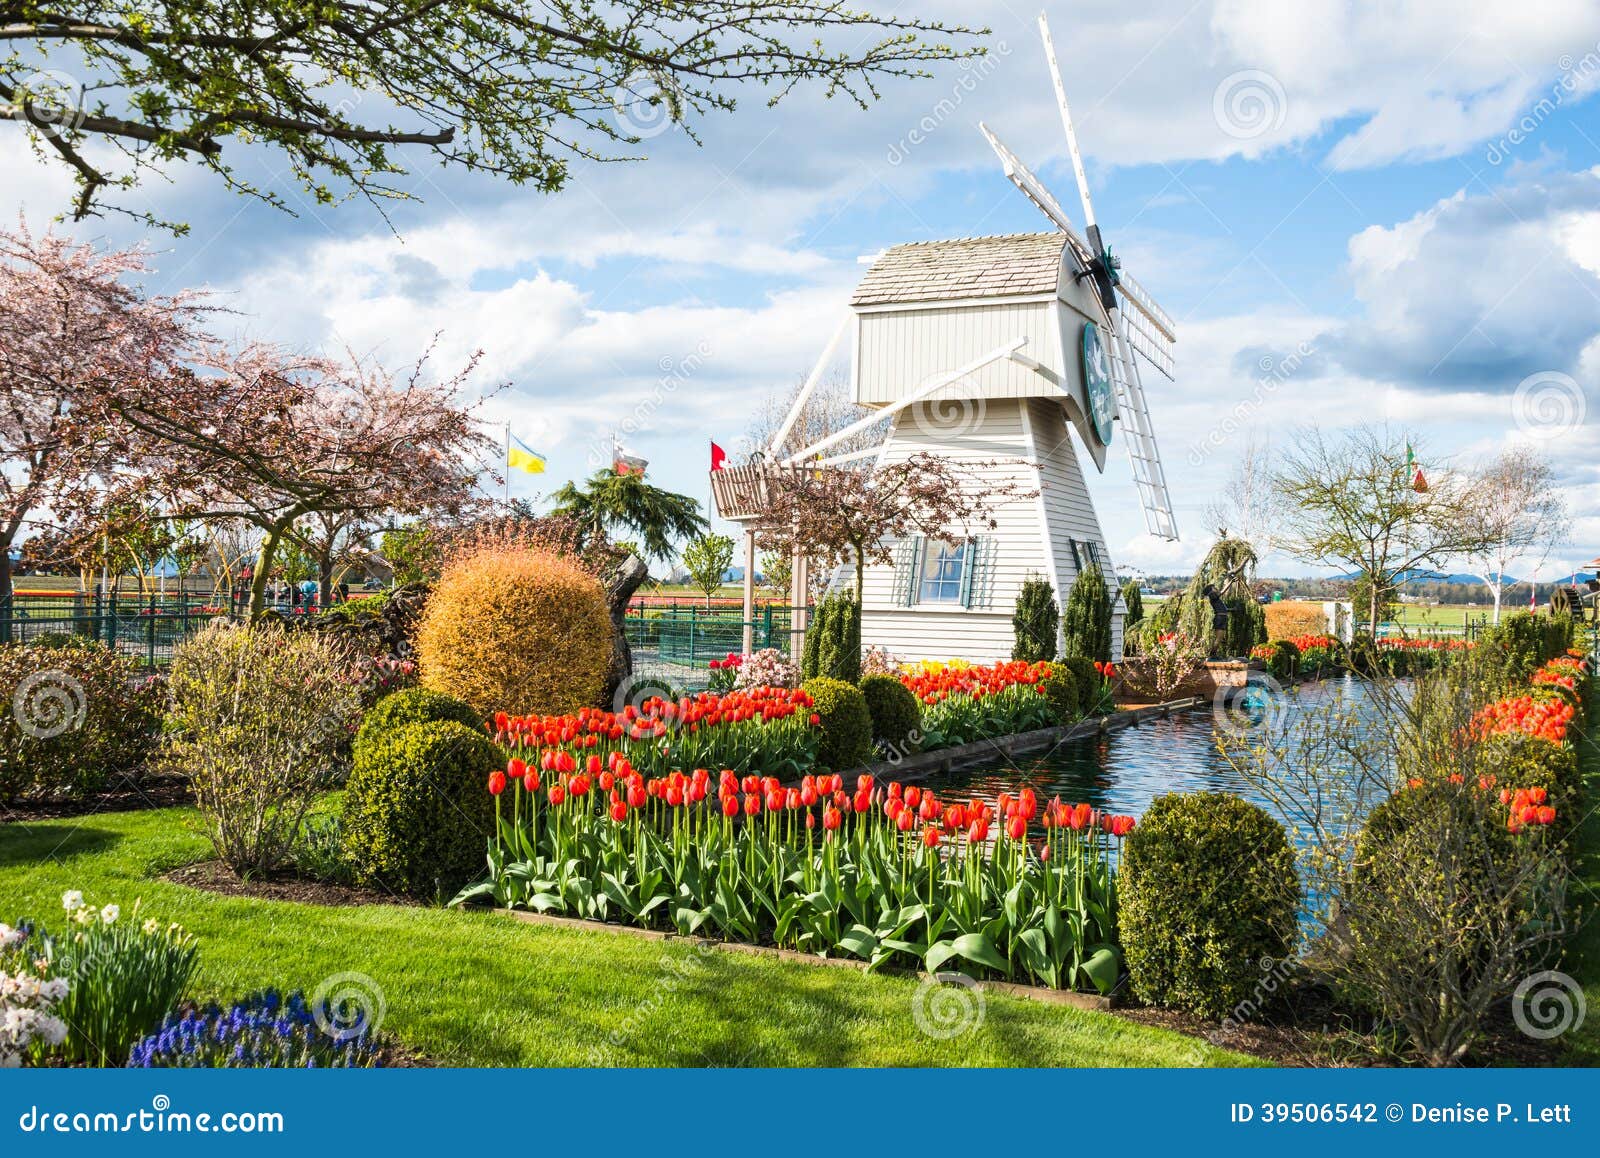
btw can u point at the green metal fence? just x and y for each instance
(145, 628)
(676, 640)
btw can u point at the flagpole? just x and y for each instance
(506, 466)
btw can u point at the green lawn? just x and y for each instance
(481, 989)
(1583, 961)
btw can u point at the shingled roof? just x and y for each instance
(1014, 265)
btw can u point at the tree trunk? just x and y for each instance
(264, 556)
(1496, 590)
(5, 565)
(325, 577)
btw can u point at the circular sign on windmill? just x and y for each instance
(1097, 382)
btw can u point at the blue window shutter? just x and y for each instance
(969, 564)
(916, 571)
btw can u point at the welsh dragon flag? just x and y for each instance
(1414, 469)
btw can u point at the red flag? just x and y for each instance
(719, 457)
(1418, 483)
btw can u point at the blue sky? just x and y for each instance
(1333, 177)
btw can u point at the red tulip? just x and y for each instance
(752, 805)
(832, 818)
(619, 811)
(930, 837)
(730, 806)
(530, 781)
(1016, 828)
(558, 795)
(905, 819)
(516, 768)
(497, 782)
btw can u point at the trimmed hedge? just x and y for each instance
(1036, 622)
(896, 715)
(416, 814)
(846, 723)
(833, 640)
(1282, 656)
(1207, 899)
(1085, 679)
(414, 706)
(1061, 690)
(1086, 621)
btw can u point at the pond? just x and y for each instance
(1123, 771)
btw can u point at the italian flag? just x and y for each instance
(1414, 469)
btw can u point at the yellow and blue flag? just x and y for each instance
(519, 457)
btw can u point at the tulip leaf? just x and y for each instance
(937, 954)
(1103, 968)
(977, 948)
(859, 940)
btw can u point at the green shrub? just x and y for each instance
(1132, 603)
(124, 975)
(1061, 691)
(1282, 656)
(896, 715)
(319, 851)
(417, 815)
(846, 723)
(1036, 621)
(1208, 899)
(76, 713)
(1443, 911)
(1522, 641)
(259, 721)
(1522, 761)
(413, 706)
(833, 640)
(1085, 679)
(1086, 623)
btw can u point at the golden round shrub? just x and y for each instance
(514, 630)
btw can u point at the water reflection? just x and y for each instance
(1123, 771)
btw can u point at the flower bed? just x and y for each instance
(773, 729)
(893, 876)
(961, 702)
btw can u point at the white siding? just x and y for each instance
(899, 350)
(993, 438)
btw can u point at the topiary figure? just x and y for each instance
(1282, 656)
(417, 812)
(1207, 894)
(509, 629)
(1133, 614)
(1086, 623)
(1036, 622)
(846, 722)
(833, 640)
(413, 706)
(896, 714)
(1061, 691)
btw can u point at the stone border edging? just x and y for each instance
(1090, 1002)
(922, 764)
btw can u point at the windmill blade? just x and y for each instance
(1134, 415)
(1033, 189)
(1139, 298)
(1072, 137)
(1148, 342)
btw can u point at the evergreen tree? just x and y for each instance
(1036, 621)
(1086, 626)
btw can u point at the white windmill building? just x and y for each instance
(987, 350)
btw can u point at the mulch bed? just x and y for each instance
(213, 876)
(122, 794)
(1310, 1028)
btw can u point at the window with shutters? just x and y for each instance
(944, 572)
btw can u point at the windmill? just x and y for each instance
(988, 351)
(1135, 324)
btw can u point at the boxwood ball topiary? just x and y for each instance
(1207, 900)
(896, 715)
(413, 706)
(846, 723)
(417, 811)
(515, 630)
